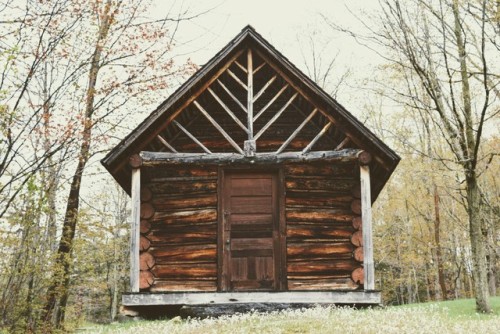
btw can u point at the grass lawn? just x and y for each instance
(443, 317)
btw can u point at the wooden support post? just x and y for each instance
(250, 94)
(366, 214)
(135, 229)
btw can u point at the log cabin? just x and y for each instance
(250, 184)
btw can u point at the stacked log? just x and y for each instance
(320, 213)
(146, 259)
(183, 230)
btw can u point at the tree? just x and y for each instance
(444, 57)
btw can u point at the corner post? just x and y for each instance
(366, 217)
(135, 162)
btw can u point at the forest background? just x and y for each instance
(76, 76)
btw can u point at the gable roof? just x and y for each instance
(116, 161)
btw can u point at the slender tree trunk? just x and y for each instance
(437, 239)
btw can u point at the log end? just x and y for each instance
(146, 194)
(357, 238)
(144, 244)
(146, 261)
(358, 254)
(146, 279)
(135, 161)
(145, 226)
(356, 206)
(364, 158)
(357, 223)
(147, 210)
(358, 276)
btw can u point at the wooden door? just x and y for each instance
(250, 237)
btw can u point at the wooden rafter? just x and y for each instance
(166, 144)
(232, 96)
(258, 68)
(235, 77)
(342, 144)
(240, 66)
(228, 111)
(200, 144)
(218, 127)
(263, 90)
(270, 102)
(296, 132)
(318, 136)
(276, 116)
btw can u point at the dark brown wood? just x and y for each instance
(358, 276)
(340, 186)
(185, 253)
(357, 223)
(176, 234)
(145, 226)
(358, 254)
(318, 232)
(184, 285)
(146, 261)
(325, 250)
(356, 191)
(356, 206)
(185, 270)
(146, 194)
(357, 238)
(146, 279)
(144, 244)
(322, 267)
(364, 158)
(147, 210)
(191, 216)
(316, 215)
(323, 169)
(186, 188)
(135, 161)
(181, 203)
(305, 200)
(341, 283)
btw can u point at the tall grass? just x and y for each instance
(426, 318)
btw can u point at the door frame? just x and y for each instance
(279, 243)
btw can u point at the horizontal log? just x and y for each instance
(147, 210)
(146, 261)
(184, 171)
(166, 159)
(162, 285)
(146, 279)
(184, 187)
(201, 270)
(318, 251)
(206, 253)
(356, 206)
(146, 194)
(358, 276)
(191, 216)
(325, 216)
(318, 231)
(341, 201)
(357, 223)
(325, 267)
(145, 226)
(357, 238)
(199, 201)
(328, 184)
(337, 170)
(144, 244)
(181, 234)
(356, 191)
(322, 284)
(358, 254)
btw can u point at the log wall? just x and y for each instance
(324, 241)
(179, 230)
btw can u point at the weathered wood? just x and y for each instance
(321, 183)
(166, 144)
(342, 144)
(146, 261)
(186, 270)
(145, 226)
(183, 171)
(356, 206)
(317, 232)
(307, 201)
(315, 215)
(358, 275)
(358, 254)
(147, 210)
(308, 267)
(250, 94)
(270, 102)
(320, 169)
(296, 250)
(228, 111)
(263, 89)
(166, 159)
(259, 67)
(297, 130)
(235, 99)
(357, 223)
(186, 188)
(135, 161)
(369, 272)
(146, 194)
(318, 136)
(218, 127)
(185, 253)
(275, 117)
(193, 138)
(196, 298)
(356, 191)
(144, 244)
(364, 158)
(135, 229)
(146, 279)
(162, 285)
(187, 202)
(342, 283)
(191, 216)
(357, 238)
(240, 66)
(238, 80)
(168, 235)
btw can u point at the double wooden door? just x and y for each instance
(250, 235)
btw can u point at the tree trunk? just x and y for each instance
(437, 239)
